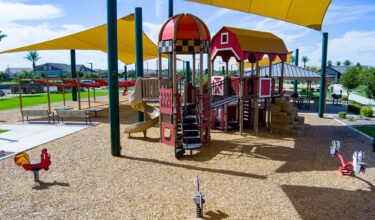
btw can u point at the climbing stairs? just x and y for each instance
(191, 139)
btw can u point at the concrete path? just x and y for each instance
(23, 137)
(352, 96)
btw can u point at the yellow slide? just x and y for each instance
(151, 113)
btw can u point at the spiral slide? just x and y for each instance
(151, 113)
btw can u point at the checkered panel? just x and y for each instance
(166, 46)
(184, 46)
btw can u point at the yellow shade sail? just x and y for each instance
(96, 39)
(265, 61)
(308, 13)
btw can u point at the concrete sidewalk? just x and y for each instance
(23, 137)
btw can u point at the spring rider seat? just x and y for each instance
(22, 159)
(346, 168)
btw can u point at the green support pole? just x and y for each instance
(223, 70)
(188, 79)
(295, 90)
(126, 72)
(323, 75)
(170, 14)
(138, 51)
(74, 72)
(114, 116)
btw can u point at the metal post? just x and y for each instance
(295, 90)
(126, 72)
(48, 94)
(256, 96)
(20, 93)
(187, 72)
(74, 72)
(242, 67)
(170, 14)
(270, 99)
(323, 76)
(226, 86)
(114, 117)
(223, 70)
(139, 51)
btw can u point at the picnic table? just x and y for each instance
(95, 111)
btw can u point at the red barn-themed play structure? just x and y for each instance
(246, 100)
(189, 109)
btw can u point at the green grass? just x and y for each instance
(369, 130)
(361, 91)
(39, 99)
(3, 131)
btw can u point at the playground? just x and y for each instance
(264, 176)
(173, 147)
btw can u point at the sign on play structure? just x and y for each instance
(217, 85)
(265, 87)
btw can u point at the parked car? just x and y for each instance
(2, 93)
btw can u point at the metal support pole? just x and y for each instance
(256, 96)
(188, 72)
(139, 51)
(174, 98)
(295, 89)
(270, 99)
(74, 73)
(323, 76)
(242, 64)
(201, 94)
(114, 116)
(226, 86)
(223, 70)
(20, 93)
(48, 94)
(126, 72)
(170, 14)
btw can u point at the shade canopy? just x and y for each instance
(96, 39)
(308, 13)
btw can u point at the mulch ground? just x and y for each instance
(268, 176)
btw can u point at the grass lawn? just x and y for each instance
(361, 91)
(3, 131)
(39, 99)
(369, 130)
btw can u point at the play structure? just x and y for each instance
(346, 168)
(246, 99)
(185, 105)
(22, 159)
(137, 102)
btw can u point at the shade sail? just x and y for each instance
(96, 39)
(308, 13)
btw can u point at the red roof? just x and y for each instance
(187, 28)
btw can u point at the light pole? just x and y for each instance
(91, 70)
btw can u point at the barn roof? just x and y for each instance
(259, 41)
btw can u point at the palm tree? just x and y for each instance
(305, 59)
(2, 35)
(338, 63)
(33, 56)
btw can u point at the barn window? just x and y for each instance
(224, 38)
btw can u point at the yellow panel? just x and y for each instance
(265, 61)
(277, 9)
(96, 39)
(308, 13)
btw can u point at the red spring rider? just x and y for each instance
(346, 168)
(22, 159)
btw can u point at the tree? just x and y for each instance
(33, 56)
(338, 63)
(329, 62)
(305, 59)
(350, 80)
(4, 76)
(2, 35)
(368, 80)
(347, 63)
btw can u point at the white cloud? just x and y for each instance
(14, 11)
(152, 30)
(344, 13)
(356, 46)
(219, 13)
(158, 7)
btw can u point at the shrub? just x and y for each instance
(366, 112)
(344, 98)
(342, 115)
(354, 108)
(351, 102)
(351, 118)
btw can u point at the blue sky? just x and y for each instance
(350, 24)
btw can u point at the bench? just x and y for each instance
(37, 113)
(73, 114)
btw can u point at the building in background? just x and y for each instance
(12, 72)
(337, 71)
(59, 69)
